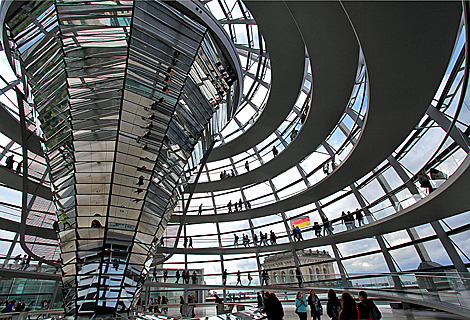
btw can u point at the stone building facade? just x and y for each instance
(281, 267)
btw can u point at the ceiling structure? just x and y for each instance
(131, 112)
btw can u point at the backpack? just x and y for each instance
(335, 310)
(375, 313)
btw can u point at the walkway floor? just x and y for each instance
(387, 314)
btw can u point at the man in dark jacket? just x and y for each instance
(374, 311)
(274, 310)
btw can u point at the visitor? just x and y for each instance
(374, 311)
(298, 275)
(351, 220)
(240, 203)
(273, 238)
(235, 205)
(239, 279)
(293, 135)
(246, 240)
(264, 238)
(194, 277)
(359, 217)
(20, 306)
(326, 168)
(190, 242)
(39, 267)
(235, 240)
(187, 277)
(9, 162)
(259, 299)
(249, 278)
(273, 307)
(217, 299)
(264, 277)
(317, 229)
(164, 301)
(23, 262)
(177, 275)
(424, 181)
(346, 220)
(191, 306)
(229, 206)
(301, 306)
(247, 205)
(327, 228)
(316, 309)
(200, 209)
(185, 241)
(294, 233)
(165, 275)
(181, 305)
(275, 152)
(255, 239)
(350, 310)
(299, 233)
(10, 306)
(18, 167)
(16, 261)
(333, 306)
(224, 277)
(247, 166)
(183, 275)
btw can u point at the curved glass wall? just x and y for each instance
(392, 188)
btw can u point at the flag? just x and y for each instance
(300, 222)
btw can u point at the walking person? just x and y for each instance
(194, 277)
(273, 238)
(299, 234)
(298, 275)
(224, 277)
(177, 275)
(190, 242)
(294, 233)
(255, 239)
(239, 279)
(301, 306)
(165, 275)
(316, 309)
(317, 229)
(247, 166)
(235, 240)
(183, 275)
(229, 206)
(249, 278)
(333, 306)
(273, 307)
